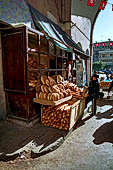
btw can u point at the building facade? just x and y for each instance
(103, 52)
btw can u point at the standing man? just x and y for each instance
(93, 92)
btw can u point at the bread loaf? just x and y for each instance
(42, 88)
(61, 95)
(50, 89)
(55, 96)
(49, 96)
(46, 89)
(64, 93)
(56, 89)
(40, 95)
(45, 96)
(47, 82)
(68, 91)
(52, 81)
(43, 79)
(61, 86)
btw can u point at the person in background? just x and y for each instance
(93, 92)
(110, 87)
(111, 76)
(107, 77)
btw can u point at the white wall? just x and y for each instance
(84, 24)
(2, 93)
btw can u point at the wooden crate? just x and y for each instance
(74, 114)
(81, 109)
(60, 119)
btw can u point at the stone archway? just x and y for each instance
(84, 18)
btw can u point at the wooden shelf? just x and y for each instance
(52, 103)
(35, 70)
(61, 57)
(33, 53)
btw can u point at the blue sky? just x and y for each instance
(103, 29)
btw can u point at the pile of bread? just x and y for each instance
(54, 89)
(57, 116)
(51, 89)
(32, 62)
(76, 92)
(34, 79)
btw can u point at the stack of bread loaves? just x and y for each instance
(51, 90)
(57, 116)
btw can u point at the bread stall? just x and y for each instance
(35, 81)
(62, 102)
(31, 55)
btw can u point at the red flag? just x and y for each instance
(112, 7)
(91, 2)
(102, 4)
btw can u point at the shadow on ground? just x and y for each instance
(82, 121)
(22, 142)
(16, 140)
(102, 102)
(105, 115)
(104, 134)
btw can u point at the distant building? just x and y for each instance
(103, 51)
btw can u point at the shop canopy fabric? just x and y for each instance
(60, 38)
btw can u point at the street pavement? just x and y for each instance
(88, 146)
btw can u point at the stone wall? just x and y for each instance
(2, 93)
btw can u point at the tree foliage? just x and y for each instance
(98, 66)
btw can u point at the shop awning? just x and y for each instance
(53, 31)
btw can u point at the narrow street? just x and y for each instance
(88, 147)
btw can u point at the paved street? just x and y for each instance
(88, 147)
